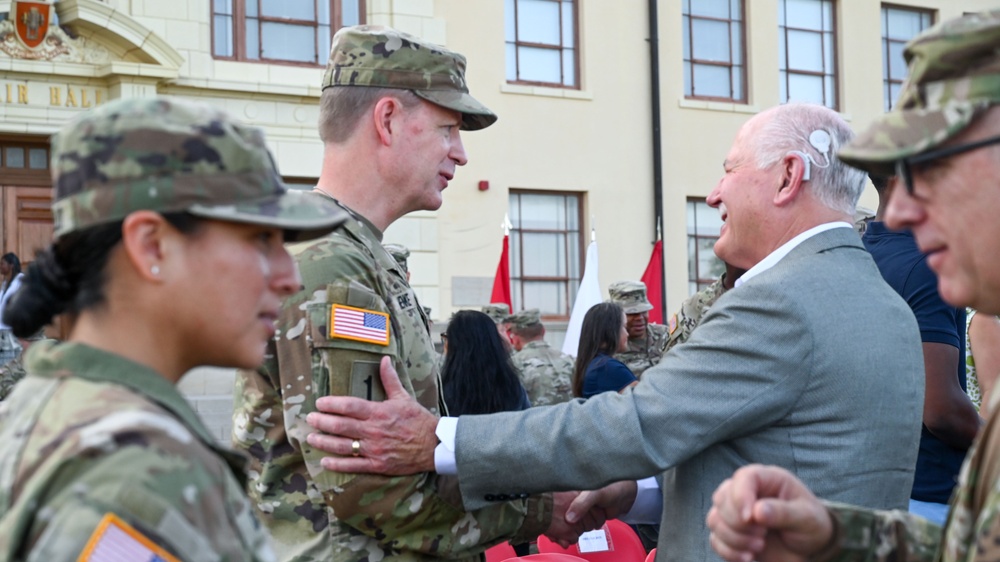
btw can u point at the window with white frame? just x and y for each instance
(541, 39)
(546, 245)
(281, 31)
(703, 225)
(899, 25)
(807, 51)
(714, 62)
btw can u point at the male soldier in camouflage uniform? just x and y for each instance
(401, 254)
(646, 342)
(92, 441)
(390, 115)
(941, 139)
(13, 370)
(545, 372)
(499, 311)
(685, 320)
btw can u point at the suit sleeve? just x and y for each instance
(731, 378)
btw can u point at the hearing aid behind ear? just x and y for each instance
(820, 140)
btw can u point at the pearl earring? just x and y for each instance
(154, 269)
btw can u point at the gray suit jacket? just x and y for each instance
(814, 365)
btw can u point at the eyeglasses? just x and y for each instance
(904, 167)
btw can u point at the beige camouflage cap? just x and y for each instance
(382, 57)
(171, 155)
(630, 295)
(498, 311)
(524, 318)
(954, 76)
(399, 252)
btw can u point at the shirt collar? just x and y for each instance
(774, 257)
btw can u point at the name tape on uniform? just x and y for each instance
(359, 324)
(114, 540)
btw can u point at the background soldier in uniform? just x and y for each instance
(545, 372)
(400, 253)
(390, 116)
(646, 342)
(499, 311)
(685, 320)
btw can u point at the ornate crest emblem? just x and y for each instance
(31, 21)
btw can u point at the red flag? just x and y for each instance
(653, 278)
(501, 283)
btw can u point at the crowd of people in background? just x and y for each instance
(819, 400)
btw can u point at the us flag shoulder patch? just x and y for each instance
(359, 324)
(114, 540)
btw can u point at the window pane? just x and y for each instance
(288, 42)
(251, 7)
(887, 96)
(515, 253)
(539, 65)
(14, 157)
(324, 41)
(894, 93)
(223, 6)
(737, 31)
(782, 53)
(806, 14)
(897, 64)
(538, 21)
(569, 67)
(38, 158)
(805, 51)
(293, 9)
(686, 32)
(692, 258)
(574, 256)
(711, 8)
(323, 7)
(827, 15)
(548, 297)
(540, 212)
(711, 40)
(828, 52)
(350, 11)
(510, 31)
(712, 81)
(708, 221)
(737, 83)
(572, 204)
(514, 204)
(511, 62)
(803, 87)
(223, 40)
(904, 24)
(253, 39)
(736, 10)
(687, 80)
(709, 266)
(829, 90)
(568, 28)
(782, 86)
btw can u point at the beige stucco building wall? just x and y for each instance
(595, 140)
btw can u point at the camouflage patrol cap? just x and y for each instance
(400, 253)
(382, 57)
(498, 311)
(524, 318)
(630, 295)
(954, 77)
(172, 155)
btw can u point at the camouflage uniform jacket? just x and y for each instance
(645, 352)
(10, 374)
(689, 316)
(90, 433)
(545, 372)
(324, 516)
(971, 533)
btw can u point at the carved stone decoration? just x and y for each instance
(57, 46)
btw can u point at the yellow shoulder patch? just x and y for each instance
(114, 540)
(359, 324)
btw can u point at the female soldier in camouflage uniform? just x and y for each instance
(168, 254)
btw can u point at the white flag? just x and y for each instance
(588, 295)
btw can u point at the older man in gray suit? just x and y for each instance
(811, 362)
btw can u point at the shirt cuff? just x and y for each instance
(444, 453)
(648, 506)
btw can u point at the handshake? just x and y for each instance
(575, 513)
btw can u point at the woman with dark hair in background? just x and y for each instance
(602, 334)
(10, 271)
(478, 377)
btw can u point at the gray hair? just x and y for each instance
(341, 108)
(837, 185)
